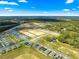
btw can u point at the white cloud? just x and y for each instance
(8, 9)
(45, 12)
(66, 9)
(69, 1)
(8, 3)
(38, 14)
(24, 1)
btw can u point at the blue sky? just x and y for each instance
(39, 7)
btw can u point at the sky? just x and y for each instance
(39, 7)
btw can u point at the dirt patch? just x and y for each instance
(27, 56)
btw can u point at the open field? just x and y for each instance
(38, 32)
(23, 53)
(44, 36)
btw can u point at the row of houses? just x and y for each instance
(8, 44)
(21, 37)
(47, 51)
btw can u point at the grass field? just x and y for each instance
(24, 53)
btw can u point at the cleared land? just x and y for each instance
(37, 35)
(21, 52)
(38, 32)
